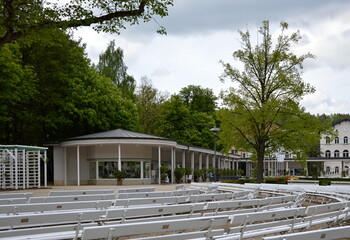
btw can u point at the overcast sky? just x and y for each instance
(203, 32)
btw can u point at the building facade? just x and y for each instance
(335, 151)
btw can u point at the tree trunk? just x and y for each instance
(260, 170)
(261, 156)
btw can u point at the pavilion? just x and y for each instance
(92, 159)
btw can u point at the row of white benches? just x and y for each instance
(88, 221)
(216, 205)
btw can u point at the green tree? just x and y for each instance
(263, 113)
(18, 89)
(111, 64)
(199, 99)
(149, 100)
(21, 18)
(178, 122)
(70, 98)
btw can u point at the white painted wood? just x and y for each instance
(322, 234)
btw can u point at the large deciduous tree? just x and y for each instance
(20, 18)
(111, 64)
(188, 116)
(149, 100)
(262, 112)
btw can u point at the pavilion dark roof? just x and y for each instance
(117, 134)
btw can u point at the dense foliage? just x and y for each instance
(50, 91)
(31, 18)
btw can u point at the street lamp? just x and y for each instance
(214, 130)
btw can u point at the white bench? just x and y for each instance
(72, 198)
(322, 234)
(51, 207)
(15, 195)
(313, 182)
(157, 194)
(134, 190)
(148, 201)
(342, 183)
(81, 192)
(115, 231)
(7, 201)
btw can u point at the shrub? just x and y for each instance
(179, 173)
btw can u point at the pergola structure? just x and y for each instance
(92, 159)
(20, 166)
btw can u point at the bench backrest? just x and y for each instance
(133, 190)
(111, 231)
(317, 209)
(81, 192)
(72, 198)
(50, 207)
(322, 234)
(43, 219)
(15, 195)
(249, 218)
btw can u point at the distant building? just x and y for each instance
(335, 152)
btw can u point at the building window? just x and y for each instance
(328, 170)
(328, 154)
(336, 140)
(336, 153)
(336, 170)
(286, 155)
(132, 168)
(328, 140)
(345, 153)
(346, 140)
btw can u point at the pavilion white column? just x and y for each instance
(172, 165)
(287, 167)
(78, 166)
(39, 177)
(200, 160)
(214, 160)
(24, 167)
(207, 161)
(45, 169)
(65, 165)
(119, 158)
(141, 170)
(159, 163)
(192, 161)
(184, 158)
(96, 166)
(16, 168)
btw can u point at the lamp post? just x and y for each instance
(214, 130)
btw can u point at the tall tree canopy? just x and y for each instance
(199, 99)
(262, 113)
(149, 100)
(19, 18)
(111, 64)
(51, 91)
(188, 116)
